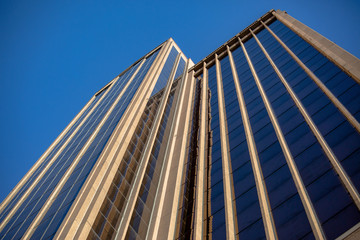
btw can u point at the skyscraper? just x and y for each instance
(260, 139)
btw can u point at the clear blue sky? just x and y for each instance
(54, 55)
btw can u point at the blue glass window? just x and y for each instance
(280, 185)
(180, 68)
(246, 199)
(166, 71)
(318, 175)
(325, 70)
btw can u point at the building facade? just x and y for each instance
(259, 140)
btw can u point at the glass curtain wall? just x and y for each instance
(22, 219)
(320, 178)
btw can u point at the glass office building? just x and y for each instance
(259, 140)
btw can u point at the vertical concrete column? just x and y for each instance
(268, 219)
(181, 150)
(160, 204)
(319, 83)
(305, 199)
(134, 192)
(230, 213)
(81, 216)
(200, 175)
(331, 156)
(344, 60)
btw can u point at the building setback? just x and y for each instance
(259, 140)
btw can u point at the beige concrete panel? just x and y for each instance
(164, 162)
(123, 227)
(200, 180)
(160, 203)
(171, 193)
(52, 160)
(268, 219)
(319, 83)
(191, 63)
(230, 213)
(179, 157)
(300, 186)
(99, 181)
(346, 61)
(67, 174)
(178, 49)
(351, 234)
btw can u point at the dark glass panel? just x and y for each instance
(322, 183)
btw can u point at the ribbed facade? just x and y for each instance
(259, 140)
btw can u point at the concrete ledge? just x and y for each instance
(351, 234)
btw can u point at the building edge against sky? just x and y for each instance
(244, 144)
